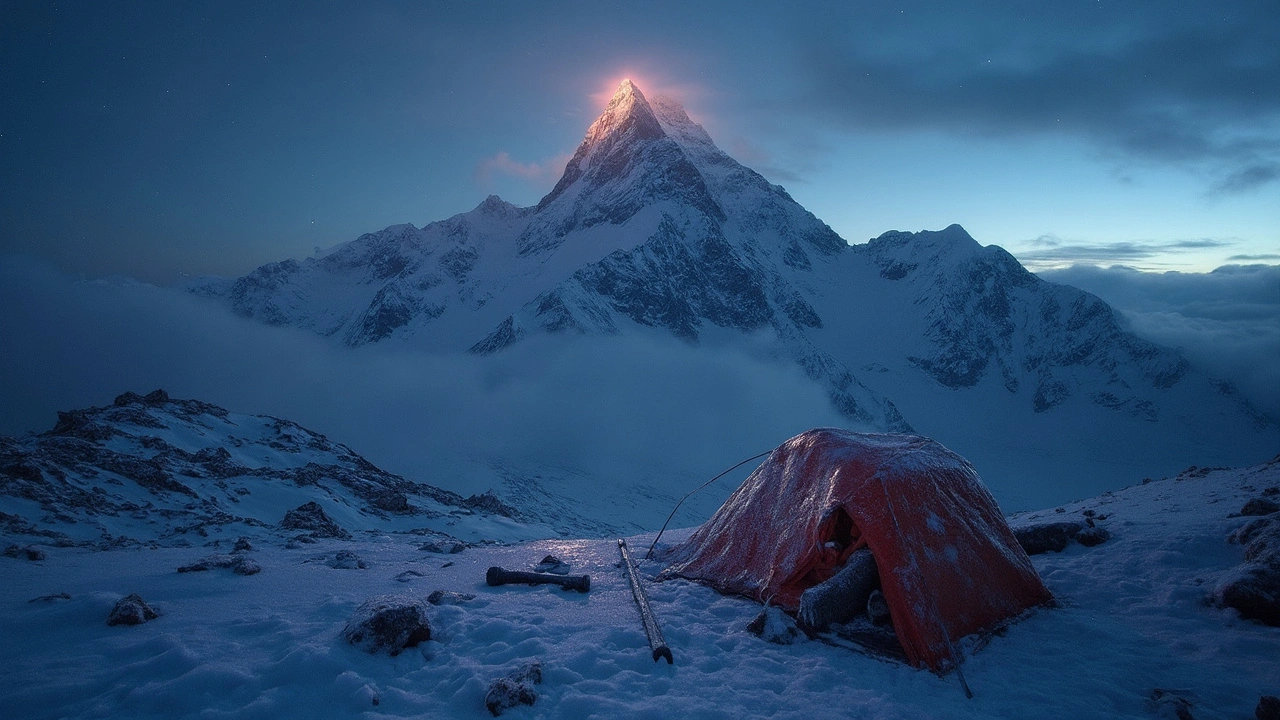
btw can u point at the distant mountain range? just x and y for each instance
(653, 227)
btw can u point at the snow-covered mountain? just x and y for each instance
(155, 470)
(652, 227)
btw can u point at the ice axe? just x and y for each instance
(651, 629)
(497, 576)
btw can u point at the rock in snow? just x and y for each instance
(131, 610)
(312, 518)
(1036, 539)
(515, 688)
(388, 624)
(449, 597)
(29, 552)
(346, 560)
(773, 625)
(238, 564)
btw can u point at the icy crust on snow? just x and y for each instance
(156, 470)
(1133, 619)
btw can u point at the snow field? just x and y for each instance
(1132, 620)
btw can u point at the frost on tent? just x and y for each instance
(831, 514)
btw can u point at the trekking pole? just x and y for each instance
(651, 629)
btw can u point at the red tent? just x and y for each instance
(949, 564)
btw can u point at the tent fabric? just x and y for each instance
(949, 564)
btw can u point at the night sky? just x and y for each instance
(158, 140)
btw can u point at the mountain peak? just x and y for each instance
(626, 123)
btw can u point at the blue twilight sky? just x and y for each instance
(159, 139)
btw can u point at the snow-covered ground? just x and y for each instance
(1133, 619)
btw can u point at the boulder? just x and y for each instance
(131, 610)
(388, 624)
(515, 688)
(312, 518)
(1037, 539)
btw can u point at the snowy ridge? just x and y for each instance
(159, 471)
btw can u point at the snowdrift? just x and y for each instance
(949, 564)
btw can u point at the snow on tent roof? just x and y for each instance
(949, 564)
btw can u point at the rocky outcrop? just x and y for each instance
(312, 518)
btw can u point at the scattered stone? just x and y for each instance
(516, 688)
(242, 545)
(408, 575)
(347, 560)
(388, 624)
(1037, 539)
(238, 564)
(773, 625)
(312, 518)
(131, 610)
(552, 564)
(449, 597)
(1093, 536)
(1260, 506)
(51, 598)
(1172, 704)
(26, 552)
(443, 547)
(1268, 708)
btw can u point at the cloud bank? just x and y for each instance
(625, 411)
(1226, 322)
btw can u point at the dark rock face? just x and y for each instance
(1268, 708)
(312, 518)
(388, 625)
(1055, 537)
(131, 610)
(516, 688)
